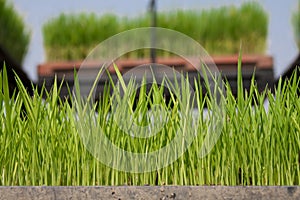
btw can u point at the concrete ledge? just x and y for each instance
(149, 192)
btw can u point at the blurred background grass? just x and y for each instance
(14, 35)
(220, 30)
(296, 24)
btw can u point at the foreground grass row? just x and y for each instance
(41, 143)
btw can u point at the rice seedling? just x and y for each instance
(41, 142)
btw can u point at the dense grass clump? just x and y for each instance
(41, 143)
(14, 35)
(219, 30)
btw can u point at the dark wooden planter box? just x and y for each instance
(227, 65)
(12, 68)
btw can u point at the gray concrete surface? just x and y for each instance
(149, 192)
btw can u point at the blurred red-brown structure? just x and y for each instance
(260, 66)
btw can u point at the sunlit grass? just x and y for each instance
(41, 145)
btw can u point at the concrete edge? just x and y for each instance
(149, 192)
